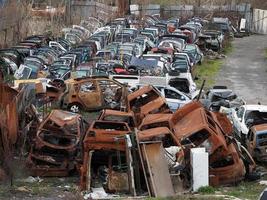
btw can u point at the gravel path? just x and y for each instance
(245, 69)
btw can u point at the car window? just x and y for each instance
(87, 87)
(240, 112)
(171, 94)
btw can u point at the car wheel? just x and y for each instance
(75, 107)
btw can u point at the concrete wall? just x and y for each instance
(259, 22)
(82, 9)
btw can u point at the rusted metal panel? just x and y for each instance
(159, 179)
(156, 120)
(118, 181)
(8, 105)
(146, 100)
(60, 130)
(224, 123)
(55, 146)
(115, 115)
(227, 169)
(257, 142)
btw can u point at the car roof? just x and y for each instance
(256, 107)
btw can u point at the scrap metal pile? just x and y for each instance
(152, 114)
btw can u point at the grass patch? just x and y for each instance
(228, 48)
(208, 71)
(188, 197)
(245, 190)
(207, 190)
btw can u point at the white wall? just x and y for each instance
(259, 22)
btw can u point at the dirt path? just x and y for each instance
(245, 69)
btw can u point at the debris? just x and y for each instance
(97, 193)
(23, 189)
(263, 182)
(31, 179)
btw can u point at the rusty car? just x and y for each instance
(257, 142)
(104, 156)
(146, 100)
(54, 148)
(93, 93)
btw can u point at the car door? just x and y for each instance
(174, 99)
(112, 94)
(90, 94)
(251, 142)
(237, 118)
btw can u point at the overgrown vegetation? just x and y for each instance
(210, 68)
(228, 48)
(245, 190)
(207, 190)
(208, 71)
(66, 188)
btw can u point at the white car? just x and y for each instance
(175, 98)
(246, 116)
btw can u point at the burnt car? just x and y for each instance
(257, 142)
(195, 126)
(104, 160)
(222, 96)
(146, 100)
(56, 145)
(93, 93)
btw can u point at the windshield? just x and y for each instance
(181, 66)
(254, 117)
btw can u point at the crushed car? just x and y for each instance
(56, 144)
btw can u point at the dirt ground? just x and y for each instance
(245, 69)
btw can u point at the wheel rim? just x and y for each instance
(74, 108)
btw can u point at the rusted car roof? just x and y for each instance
(153, 132)
(119, 113)
(153, 105)
(59, 124)
(103, 134)
(260, 127)
(141, 91)
(63, 117)
(155, 118)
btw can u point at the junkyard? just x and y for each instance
(129, 99)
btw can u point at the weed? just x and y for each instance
(208, 71)
(228, 48)
(245, 190)
(207, 190)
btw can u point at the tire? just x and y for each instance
(75, 107)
